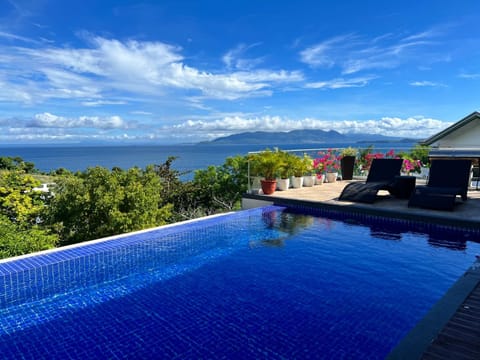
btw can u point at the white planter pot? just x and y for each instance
(309, 180)
(319, 179)
(297, 182)
(332, 177)
(424, 172)
(256, 185)
(283, 184)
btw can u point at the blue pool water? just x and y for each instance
(263, 283)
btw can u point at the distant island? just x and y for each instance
(305, 137)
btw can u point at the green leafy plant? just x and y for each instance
(288, 161)
(303, 165)
(421, 152)
(268, 164)
(349, 151)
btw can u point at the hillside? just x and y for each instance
(303, 137)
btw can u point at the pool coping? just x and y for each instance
(354, 208)
(26, 261)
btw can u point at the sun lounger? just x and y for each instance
(448, 178)
(381, 176)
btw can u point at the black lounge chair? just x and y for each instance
(447, 179)
(381, 176)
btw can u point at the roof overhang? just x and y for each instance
(473, 116)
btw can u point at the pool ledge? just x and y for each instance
(85, 244)
(418, 340)
(387, 207)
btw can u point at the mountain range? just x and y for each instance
(304, 137)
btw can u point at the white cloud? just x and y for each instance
(234, 58)
(10, 36)
(353, 53)
(47, 127)
(270, 76)
(323, 54)
(47, 120)
(469, 76)
(140, 112)
(110, 67)
(418, 127)
(427, 83)
(341, 83)
(102, 102)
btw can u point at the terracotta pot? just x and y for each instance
(269, 186)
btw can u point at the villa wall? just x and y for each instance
(466, 137)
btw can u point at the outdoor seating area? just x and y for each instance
(448, 178)
(425, 183)
(328, 195)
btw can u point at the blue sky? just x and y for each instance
(188, 71)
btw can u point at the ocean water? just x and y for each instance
(189, 157)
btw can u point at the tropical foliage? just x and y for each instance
(328, 161)
(99, 202)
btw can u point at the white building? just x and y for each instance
(460, 140)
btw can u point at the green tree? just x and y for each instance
(17, 239)
(18, 201)
(220, 188)
(16, 163)
(420, 152)
(101, 203)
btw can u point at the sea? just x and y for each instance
(189, 157)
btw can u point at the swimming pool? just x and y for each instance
(264, 283)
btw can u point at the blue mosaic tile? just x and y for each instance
(265, 283)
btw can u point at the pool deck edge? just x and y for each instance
(417, 341)
(361, 208)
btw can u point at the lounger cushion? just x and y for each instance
(380, 177)
(362, 192)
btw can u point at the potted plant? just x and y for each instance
(411, 165)
(254, 173)
(287, 160)
(347, 162)
(301, 166)
(268, 165)
(318, 169)
(309, 177)
(329, 161)
(421, 153)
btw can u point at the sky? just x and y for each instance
(178, 71)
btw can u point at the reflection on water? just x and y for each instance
(381, 232)
(453, 240)
(290, 221)
(285, 223)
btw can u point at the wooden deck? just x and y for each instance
(460, 338)
(452, 328)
